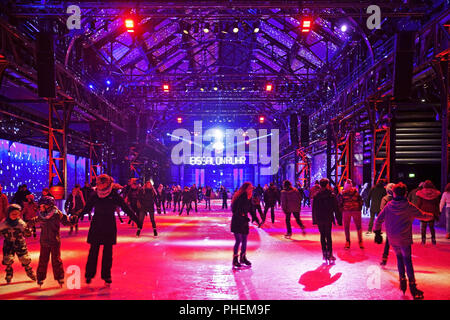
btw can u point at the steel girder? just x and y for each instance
(20, 53)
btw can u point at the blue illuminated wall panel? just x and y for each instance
(318, 167)
(25, 164)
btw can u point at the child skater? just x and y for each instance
(14, 230)
(103, 229)
(399, 215)
(50, 219)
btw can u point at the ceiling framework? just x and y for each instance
(214, 74)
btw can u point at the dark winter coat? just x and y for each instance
(271, 196)
(194, 192)
(177, 196)
(241, 207)
(350, 200)
(161, 196)
(74, 205)
(374, 198)
(256, 200)
(133, 197)
(224, 194)
(399, 216)
(315, 189)
(186, 196)
(50, 227)
(326, 209)
(103, 229)
(428, 201)
(291, 200)
(29, 210)
(147, 198)
(20, 197)
(87, 193)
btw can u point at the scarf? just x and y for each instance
(47, 214)
(106, 192)
(12, 223)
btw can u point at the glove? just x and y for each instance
(378, 237)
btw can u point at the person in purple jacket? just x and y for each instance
(399, 215)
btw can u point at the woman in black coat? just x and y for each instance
(103, 229)
(148, 200)
(241, 205)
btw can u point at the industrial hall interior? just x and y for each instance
(224, 150)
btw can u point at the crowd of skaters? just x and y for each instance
(390, 204)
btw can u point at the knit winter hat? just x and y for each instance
(47, 201)
(13, 207)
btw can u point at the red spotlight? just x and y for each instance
(129, 24)
(261, 119)
(166, 87)
(269, 87)
(179, 119)
(306, 25)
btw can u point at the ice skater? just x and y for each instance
(291, 203)
(325, 213)
(14, 230)
(399, 215)
(148, 198)
(50, 219)
(350, 203)
(241, 206)
(103, 229)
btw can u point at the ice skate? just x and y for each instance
(155, 233)
(288, 235)
(108, 282)
(361, 246)
(303, 231)
(383, 261)
(40, 283)
(325, 258)
(416, 293)
(236, 263)
(138, 232)
(403, 285)
(347, 245)
(243, 260)
(61, 283)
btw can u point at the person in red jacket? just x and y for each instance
(30, 210)
(3, 204)
(351, 203)
(428, 200)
